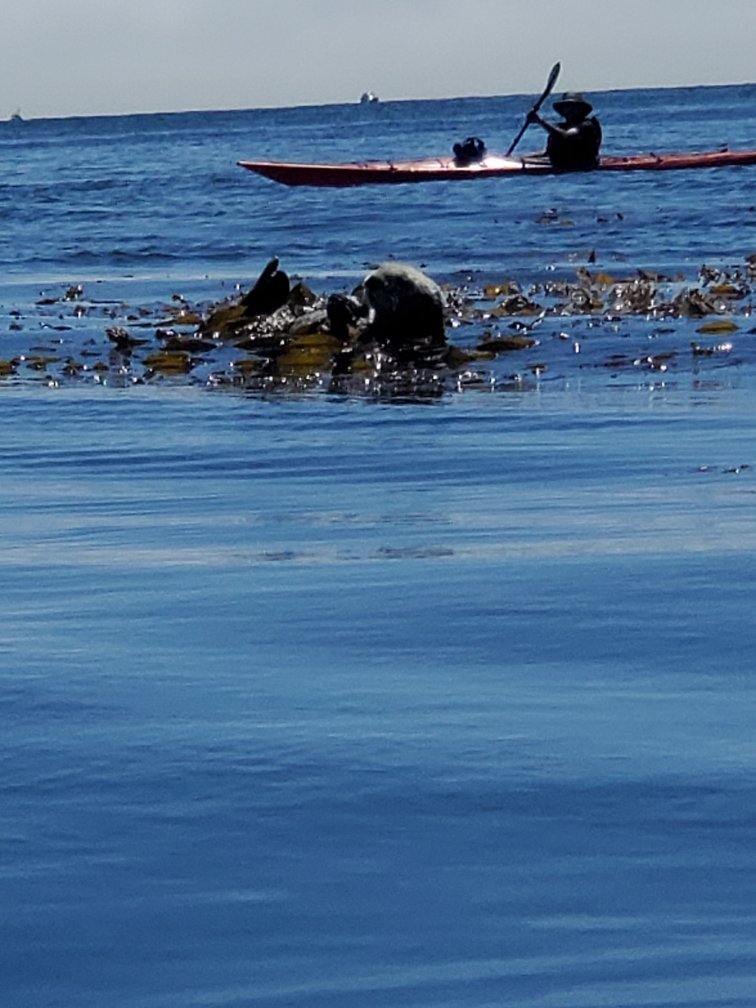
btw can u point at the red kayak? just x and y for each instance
(445, 169)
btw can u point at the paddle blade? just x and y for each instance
(553, 77)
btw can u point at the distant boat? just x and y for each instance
(368, 98)
(17, 117)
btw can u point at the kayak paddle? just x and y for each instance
(546, 92)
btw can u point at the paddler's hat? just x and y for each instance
(572, 100)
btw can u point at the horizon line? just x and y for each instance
(17, 116)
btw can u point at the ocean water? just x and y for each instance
(327, 700)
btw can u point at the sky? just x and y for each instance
(101, 57)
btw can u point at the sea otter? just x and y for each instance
(406, 308)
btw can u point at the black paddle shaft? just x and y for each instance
(546, 92)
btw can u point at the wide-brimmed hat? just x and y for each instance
(572, 100)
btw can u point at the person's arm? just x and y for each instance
(536, 117)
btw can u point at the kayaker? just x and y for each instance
(574, 143)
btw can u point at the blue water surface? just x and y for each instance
(320, 700)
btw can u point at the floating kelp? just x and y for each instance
(398, 333)
(123, 340)
(718, 327)
(504, 344)
(177, 342)
(516, 304)
(650, 362)
(307, 355)
(170, 363)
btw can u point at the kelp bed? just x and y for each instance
(502, 336)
